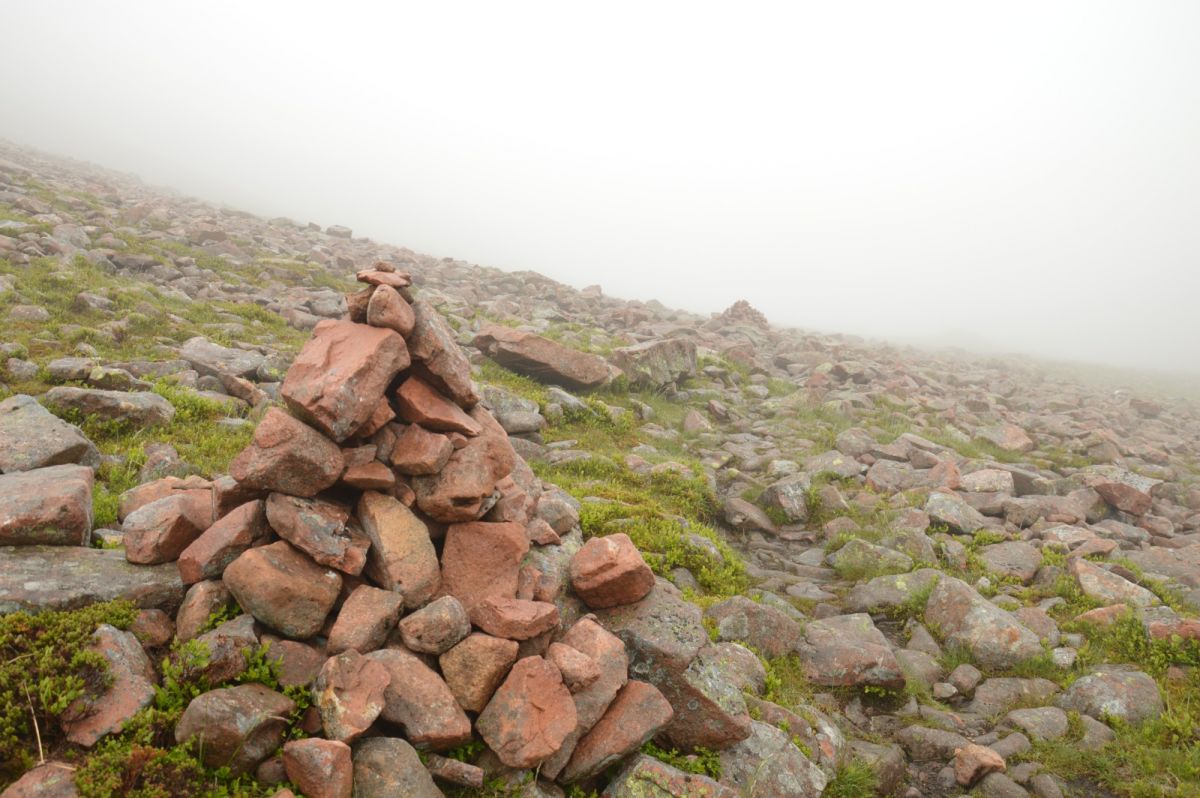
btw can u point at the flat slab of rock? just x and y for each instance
(35, 578)
(51, 506)
(213, 359)
(137, 408)
(401, 557)
(420, 701)
(766, 628)
(482, 560)
(644, 776)
(1108, 587)
(769, 763)
(421, 403)
(33, 437)
(438, 357)
(340, 375)
(131, 688)
(545, 360)
(1119, 691)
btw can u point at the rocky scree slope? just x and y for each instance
(919, 574)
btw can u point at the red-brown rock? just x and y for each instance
(141, 495)
(284, 589)
(513, 618)
(420, 403)
(337, 380)
(401, 557)
(438, 357)
(388, 309)
(578, 669)
(481, 560)
(419, 700)
(162, 529)
(419, 451)
(236, 727)
(1123, 497)
(610, 571)
(287, 456)
(51, 780)
(199, 603)
(463, 488)
(365, 620)
(318, 528)
(208, 555)
(320, 768)
(130, 690)
(973, 762)
(529, 716)
(638, 713)
(349, 694)
(370, 476)
(540, 358)
(475, 667)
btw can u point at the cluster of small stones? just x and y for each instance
(389, 546)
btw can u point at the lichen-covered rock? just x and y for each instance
(656, 364)
(288, 456)
(235, 727)
(644, 776)
(766, 628)
(51, 506)
(386, 767)
(1117, 691)
(767, 763)
(33, 437)
(35, 578)
(847, 650)
(131, 689)
(965, 618)
(530, 715)
(283, 588)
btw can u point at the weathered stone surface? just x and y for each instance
(481, 560)
(438, 357)
(288, 456)
(857, 555)
(605, 649)
(420, 403)
(137, 408)
(887, 592)
(1008, 437)
(609, 571)
(544, 360)
(283, 588)
(745, 517)
(578, 669)
(656, 364)
(1039, 723)
(46, 506)
(766, 628)
(847, 650)
(199, 603)
(130, 690)
(1124, 497)
(965, 618)
(973, 762)
(437, 627)
(645, 777)
(1118, 691)
(318, 528)
(996, 696)
(1108, 587)
(924, 743)
(387, 308)
(475, 667)
(514, 619)
(464, 488)
(236, 727)
(213, 359)
(35, 578)
(226, 646)
(222, 543)
(637, 713)
(386, 767)
(421, 702)
(530, 715)
(320, 768)
(950, 509)
(33, 437)
(418, 451)
(50, 780)
(768, 763)
(160, 531)
(349, 694)
(401, 557)
(1013, 558)
(789, 496)
(365, 620)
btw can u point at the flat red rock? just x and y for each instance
(340, 375)
(530, 715)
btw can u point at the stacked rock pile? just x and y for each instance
(393, 550)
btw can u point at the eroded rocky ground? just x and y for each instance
(879, 570)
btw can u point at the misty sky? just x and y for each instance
(1024, 175)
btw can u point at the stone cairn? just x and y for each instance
(391, 547)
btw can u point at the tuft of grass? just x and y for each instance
(854, 779)
(701, 762)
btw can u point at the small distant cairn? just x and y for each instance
(742, 312)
